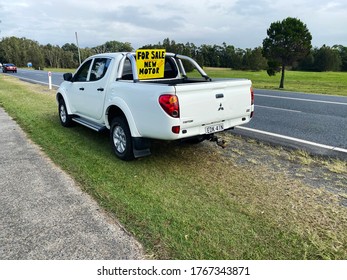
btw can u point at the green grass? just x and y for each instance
(331, 83)
(61, 70)
(187, 202)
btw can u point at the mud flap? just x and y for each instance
(141, 147)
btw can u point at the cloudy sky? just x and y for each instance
(242, 23)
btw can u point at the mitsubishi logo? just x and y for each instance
(221, 108)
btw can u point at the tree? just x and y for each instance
(254, 60)
(307, 63)
(327, 59)
(52, 55)
(70, 56)
(113, 46)
(35, 55)
(11, 50)
(343, 54)
(287, 42)
(209, 54)
(20, 51)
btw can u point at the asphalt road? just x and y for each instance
(319, 119)
(37, 76)
(312, 117)
(44, 215)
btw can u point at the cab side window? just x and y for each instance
(82, 73)
(99, 68)
(127, 70)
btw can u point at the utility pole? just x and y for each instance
(78, 47)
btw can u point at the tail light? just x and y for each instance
(252, 102)
(176, 129)
(252, 96)
(170, 105)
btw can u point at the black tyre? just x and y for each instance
(65, 118)
(121, 139)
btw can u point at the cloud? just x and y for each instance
(242, 23)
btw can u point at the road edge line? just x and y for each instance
(342, 150)
(36, 82)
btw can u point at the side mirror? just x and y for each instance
(67, 77)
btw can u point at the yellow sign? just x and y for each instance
(150, 63)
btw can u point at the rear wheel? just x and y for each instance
(121, 139)
(65, 118)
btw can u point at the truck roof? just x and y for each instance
(110, 54)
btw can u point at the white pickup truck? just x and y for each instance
(106, 93)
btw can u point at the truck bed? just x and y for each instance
(175, 82)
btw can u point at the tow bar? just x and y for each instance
(220, 142)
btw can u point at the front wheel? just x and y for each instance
(121, 139)
(65, 118)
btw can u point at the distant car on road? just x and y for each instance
(9, 67)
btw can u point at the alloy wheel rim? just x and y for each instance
(62, 114)
(119, 139)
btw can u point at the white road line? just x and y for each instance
(302, 99)
(275, 108)
(294, 139)
(35, 81)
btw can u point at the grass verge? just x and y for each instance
(248, 201)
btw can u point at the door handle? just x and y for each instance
(81, 88)
(100, 89)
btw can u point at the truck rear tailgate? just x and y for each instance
(214, 106)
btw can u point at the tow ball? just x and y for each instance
(220, 142)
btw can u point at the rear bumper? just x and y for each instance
(206, 128)
(191, 130)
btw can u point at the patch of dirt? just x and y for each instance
(316, 172)
(292, 189)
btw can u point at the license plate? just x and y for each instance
(214, 128)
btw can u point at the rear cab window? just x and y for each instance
(170, 71)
